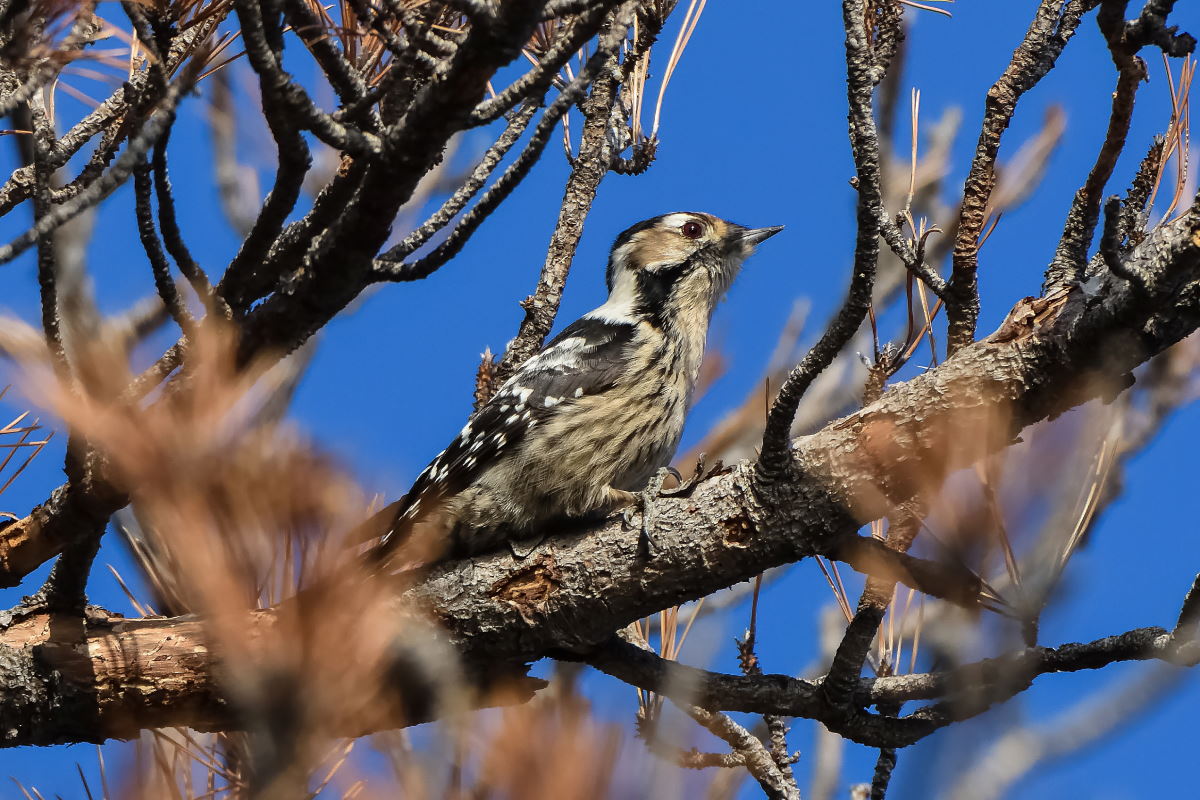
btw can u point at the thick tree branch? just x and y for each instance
(67, 681)
(1034, 366)
(1052, 354)
(579, 587)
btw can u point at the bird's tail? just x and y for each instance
(406, 534)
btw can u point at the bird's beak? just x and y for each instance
(756, 235)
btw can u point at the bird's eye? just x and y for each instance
(692, 230)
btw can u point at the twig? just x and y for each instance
(560, 8)
(82, 30)
(169, 225)
(109, 182)
(387, 270)
(244, 277)
(1110, 243)
(337, 266)
(115, 108)
(237, 184)
(693, 758)
(861, 80)
(851, 654)
(912, 259)
(827, 752)
(969, 690)
(1151, 28)
(1052, 27)
(156, 373)
(342, 76)
(1137, 197)
(163, 282)
(469, 188)
(290, 98)
(596, 152)
(102, 187)
(755, 755)
(534, 83)
(883, 770)
(47, 258)
(1189, 615)
(1070, 257)
(777, 728)
(290, 245)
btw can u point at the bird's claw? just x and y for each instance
(644, 504)
(686, 487)
(643, 501)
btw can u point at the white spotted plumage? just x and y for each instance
(588, 420)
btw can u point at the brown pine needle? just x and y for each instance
(1101, 467)
(839, 591)
(82, 97)
(142, 610)
(690, 19)
(1178, 133)
(988, 231)
(25, 463)
(924, 7)
(915, 114)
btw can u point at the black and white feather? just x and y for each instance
(585, 360)
(586, 422)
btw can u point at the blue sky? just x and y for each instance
(753, 130)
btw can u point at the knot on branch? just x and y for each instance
(1150, 28)
(639, 161)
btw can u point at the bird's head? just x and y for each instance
(684, 260)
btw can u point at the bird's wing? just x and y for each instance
(587, 358)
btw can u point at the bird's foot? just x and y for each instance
(686, 487)
(643, 503)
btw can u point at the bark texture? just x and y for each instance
(65, 682)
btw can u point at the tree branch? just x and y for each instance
(862, 74)
(89, 679)
(1050, 355)
(1070, 258)
(1053, 26)
(964, 691)
(596, 153)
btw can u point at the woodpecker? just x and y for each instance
(585, 424)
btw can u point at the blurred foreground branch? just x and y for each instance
(1049, 356)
